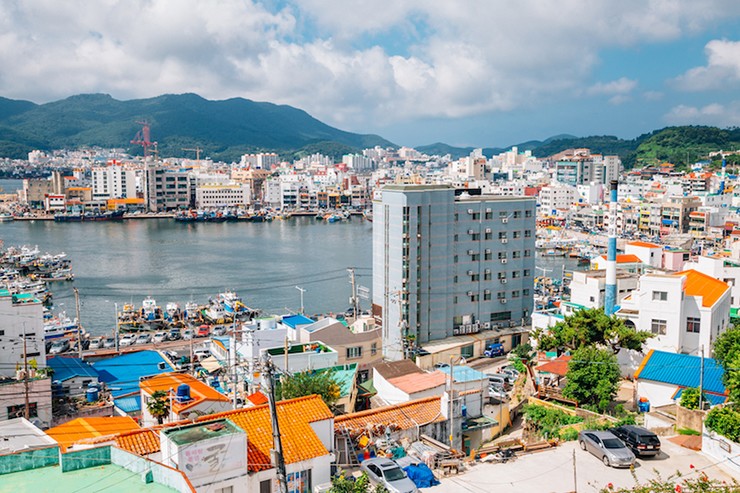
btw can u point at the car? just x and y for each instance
(606, 446)
(160, 337)
(388, 473)
(510, 372)
(96, 343)
(203, 331)
(500, 380)
(494, 350)
(144, 338)
(174, 335)
(497, 393)
(59, 346)
(220, 330)
(187, 334)
(202, 353)
(109, 342)
(439, 366)
(126, 340)
(640, 441)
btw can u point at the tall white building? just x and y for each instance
(21, 317)
(263, 160)
(113, 182)
(358, 162)
(446, 263)
(222, 195)
(557, 197)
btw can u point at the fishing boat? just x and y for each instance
(191, 310)
(231, 302)
(60, 326)
(6, 217)
(172, 312)
(215, 312)
(368, 214)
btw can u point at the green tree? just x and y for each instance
(726, 346)
(590, 327)
(593, 377)
(724, 420)
(690, 398)
(324, 383)
(158, 405)
(343, 484)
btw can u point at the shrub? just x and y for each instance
(568, 434)
(690, 398)
(725, 421)
(687, 431)
(546, 421)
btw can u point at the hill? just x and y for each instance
(223, 129)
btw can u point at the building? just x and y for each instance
(21, 332)
(187, 397)
(303, 357)
(73, 374)
(167, 189)
(35, 190)
(222, 195)
(588, 288)
(662, 377)
(627, 262)
(447, 263)
(113, 182)
(13, 399)
(557, 196)
(83, 431)
(649, 253)
(685, 311)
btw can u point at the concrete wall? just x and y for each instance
(29, 460)
(82, 459)
(160, 473)
(722, 450)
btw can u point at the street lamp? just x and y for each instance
(302, 291)
(453, 360)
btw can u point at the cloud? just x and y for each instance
(720, 115)
(348, 62)
(721, 71)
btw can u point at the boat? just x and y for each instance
(231, 302)
(172, 312)
(60, 326)
(215, 312)
(191, 310)
(368, 214)
(78, 216)
(6, 217)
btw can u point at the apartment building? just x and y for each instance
(113, 182)
(167, 189)
(449, 262)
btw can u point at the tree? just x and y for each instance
(690, 398)
(344, 484)
(726, 346)
(158, 405)
(593, 377)
(324, 383)
(590, 327)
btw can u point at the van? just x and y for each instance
(494, 350)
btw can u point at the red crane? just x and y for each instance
(143, 138)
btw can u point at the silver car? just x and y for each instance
(389, 474)
(607, 447)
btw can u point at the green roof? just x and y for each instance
(108, 478)
(202, 431)
(367, 387)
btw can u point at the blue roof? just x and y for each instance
(464, 374)
(66, 368)
(713, 399)
(293, 320)
(122, 373)
(681, 370)
(130, 404)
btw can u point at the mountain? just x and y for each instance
(223, 129)
(441, 149)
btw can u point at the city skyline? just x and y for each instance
(488, 75)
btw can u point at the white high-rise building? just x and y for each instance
(21, 317)
(446, 263)
(113, 182)
(358, 162)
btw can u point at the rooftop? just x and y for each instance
(19, 434)
(682, 370)
(293, 320)
(86, 428)
(201, 431)
(463, 373)
(406, 416)
(643, 244)
(709, 288)
(419, 382)
(199, 391)
(558, 366)
(122, 373)
(396, 369)
(69, 367)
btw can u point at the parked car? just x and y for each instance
(203, 331)
(174, 335)
(511, 373)
(59, 346)
(144, 338)
(159, 337)
(494, 350)
(219, 331)
(439, 366)
(202, 353)
(187, 334)
(606, 446)
(109, 342)
(126, 340)
(97, 343)
(497, 393)
(389, 474)
(500, 380)
(640, 441)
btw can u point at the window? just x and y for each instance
(18, 411)
(693, 324)
(517, 234)
(487, 296)
(230, 489)
(516, 254)
(475, 257)
(500, 316)
(454, 300)
(658, 326)
(527, 213)
(501, 295)
(660, 295)
(514, 274)
(517, 214)
(373, 349)
(475, 236)
(473, 297)
(454, 279)
(515, 294)
(456, 237)
(501, 235)
(476, 216)
(503, 214)
(467, 351)
(527, 253)
(299, 482)
(488, 256)
(487, 276)
(527, 233)
(475, 277)
(489, 215)
(454, 259)
(525, 292)
(354, 352)
(501, 255)
(526, 273)
(489, 236)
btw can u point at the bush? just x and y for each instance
(519, 366)
(690, 398)
(687, 431)
(725, 421)
(568, 434)
(546, 421)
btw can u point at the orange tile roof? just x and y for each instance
(199, 391)
(558, 366)
(628, 258)
(417, 382)
(698, 284)
(258, 398)
(295, 416)
(406, 416)
(643, 244)
(85, 428)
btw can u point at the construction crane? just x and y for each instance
(195, 149)
(143, 138)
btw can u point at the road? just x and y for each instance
(551, 471)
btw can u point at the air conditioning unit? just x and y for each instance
(405, 258)
(470, 252)
(487, 325)
(469, 293)
(488, 210)
(489, 230)
(404, 280)
(503, 300)
(470, 211)
(405, 236)
(488, 250)
(503, 260)
(475, 327)
(505, 220)
(470, 272)
(503, 281)
(470, 231)
(504, 240)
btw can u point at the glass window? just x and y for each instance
(693, 324)
(658, 326)
(467, 351)
(354, 352)
(660, 295)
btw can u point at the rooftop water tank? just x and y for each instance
(183, 393)
(92, 393)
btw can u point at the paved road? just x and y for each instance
(552, 471)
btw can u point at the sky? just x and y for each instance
(483, 73)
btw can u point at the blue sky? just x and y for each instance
(486, 73)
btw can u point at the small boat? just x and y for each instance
(191, 310)
(231, 302)
(60, 326)
(6, 217)
(215, 312)
(172, 311)
(368, 214)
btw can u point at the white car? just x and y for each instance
(126, 340)
(96, 343)
(144, 338)
(160, 337)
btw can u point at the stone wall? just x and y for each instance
(692, 419)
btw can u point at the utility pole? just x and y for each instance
(268, 370)
(118, 326)
(26, 410)
(302, 291)
(232, 360)
(285, 357)
(79, 323)
(354, 300)
(575, 476)
(701, 379)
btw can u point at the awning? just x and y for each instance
(211, 364)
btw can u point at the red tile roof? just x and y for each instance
(628, 258)
(643, 244)
(417, 382)
(295, 416)
(558, 366)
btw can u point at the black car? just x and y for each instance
(641, 441)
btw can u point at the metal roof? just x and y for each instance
(122, 373)
(294, 320)
(464, 374)
(66, 368)
(682, 370)
(713, 399)
(130, 404)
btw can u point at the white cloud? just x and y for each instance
(722, 69)
(338, 59)
(721, 115)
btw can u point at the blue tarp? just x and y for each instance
(421, 475)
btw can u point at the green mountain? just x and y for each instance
(223, 129)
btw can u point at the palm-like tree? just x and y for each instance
(158, 405)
